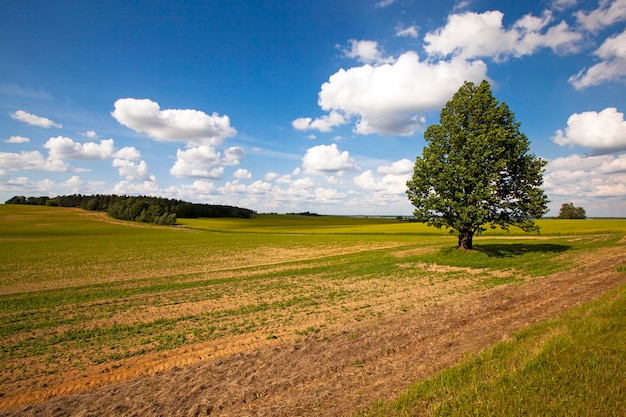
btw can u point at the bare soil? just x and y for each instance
(339, 370)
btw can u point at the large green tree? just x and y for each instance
(476, 169)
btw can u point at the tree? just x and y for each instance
(476, 169)
(570, 211)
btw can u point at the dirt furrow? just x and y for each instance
(342, 370)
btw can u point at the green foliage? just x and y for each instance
(570, 211)
(477, 169)
(140, 208)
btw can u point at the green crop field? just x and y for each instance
(93, 300)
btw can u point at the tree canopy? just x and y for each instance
(570, 211)
(138, 208)
(476, 169)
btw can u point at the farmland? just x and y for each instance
(275, 315)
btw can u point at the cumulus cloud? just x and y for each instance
(323, 124)
(32, 160)
(608, 13)
(233, 155)
(133, 171)
(612, 66)
(366, 52)
(471, 35)
(328, 195)
(73, 185)
(602, 132)
(598, 183)
(147, 187)
(204, 161)
(327, 160)
(393, 181)
(192, 126)
(34, 120)
(389, 99)
(401, 167)
(17, 139)
(242, 174)
(65, 148)
(127, 152)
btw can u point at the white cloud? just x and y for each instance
(73, 185)
(17, 139)
(147, 187)
(366, 52)
(192, 126)
(462, 5)
(91, 134)
(32, 160)
(603, 132)
(563, 4)
(328, 195)
(393, 182)
(389, 99)
(242, 174)
(127, 152)
(284, 179)
(271, 176)
(198, 161)
(323, 124)
(401, 167)
(133, 171)
(608, 12)
(384, 3)
(409, 32)
(597, 183)
(471, 35)
(27, 186)
(302, 183)
(327, 160)
(233, 155)
(368, 181)
(611, 68)
(34, 120)
(65, 148)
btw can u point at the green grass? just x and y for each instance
(574, 365)
(276, 224)
(80, 289)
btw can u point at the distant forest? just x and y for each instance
(141, 209)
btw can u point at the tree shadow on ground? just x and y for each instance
(518, 249)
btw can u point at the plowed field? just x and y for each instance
(117, 320)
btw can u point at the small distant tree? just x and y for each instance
(570, 211)
(476, 169)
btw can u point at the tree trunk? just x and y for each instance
(465, 239)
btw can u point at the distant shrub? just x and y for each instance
(569, 211)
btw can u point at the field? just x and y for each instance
(275, 315)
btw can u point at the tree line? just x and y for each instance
(137, 208)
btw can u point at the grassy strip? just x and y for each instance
(574, 365)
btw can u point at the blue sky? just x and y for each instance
(285, 106)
